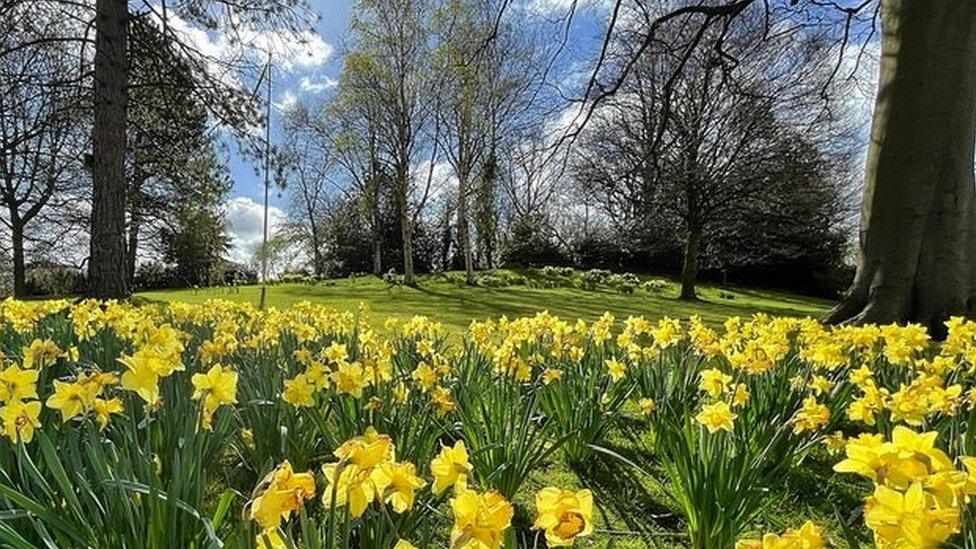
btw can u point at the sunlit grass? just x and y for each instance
(455, 305)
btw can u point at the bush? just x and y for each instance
(54, 280)
(656, 285)
(626, 283)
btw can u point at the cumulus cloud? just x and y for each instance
(288, 101)
(245, 221)
(300, 51)
(316, 85)
(559, 8)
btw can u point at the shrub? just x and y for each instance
(54, 280)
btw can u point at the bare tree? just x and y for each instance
(42, 142)
(390, 65)
(692, 140)
(309, 158)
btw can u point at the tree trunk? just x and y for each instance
(918, 217)
(377, 253)
(406, 225)
(106, 263)
(464, 235)
(689, 268)
(20, 270)
(318, 262)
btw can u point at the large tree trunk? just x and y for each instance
(106, 263)
(17, 242)
(918, 217)
(689, 268)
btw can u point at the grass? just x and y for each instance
(455, 305)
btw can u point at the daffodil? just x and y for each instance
(906, 520)
(349, 378)
(808, 536)
(20, 419)
(299, 392)
(279, 494)
(811, 417)
(716, 417)
(398, 484)
(17, 384)
(104, 409)
(480, 520)
(617, 369)
(216, 388)
(714, 382)
(564, 515)
(71, 399)
(451, 467)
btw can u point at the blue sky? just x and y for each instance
(334, 16)
(308, 78)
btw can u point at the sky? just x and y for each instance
(310, 75)
(303, 80)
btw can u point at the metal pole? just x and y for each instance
(267, 186)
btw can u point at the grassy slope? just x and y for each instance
(456, 305)
(633, 511)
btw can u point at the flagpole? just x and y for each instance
(267, 185)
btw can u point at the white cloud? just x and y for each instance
(288, 101)
(245, 221)
(302, 51)
(316, 85)
(560, 8)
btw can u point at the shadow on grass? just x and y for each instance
(622, 496)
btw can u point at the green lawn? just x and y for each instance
(455, 305)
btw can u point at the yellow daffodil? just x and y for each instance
(299, 392)
(480, 520)
(716, 417)
(451, 467)
(279, 494)
(714, 382)
(20, 419)
(398, 484)
(564, 515)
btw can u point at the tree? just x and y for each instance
(354, 136)
(465, 86)
(915, 260)
(195, 242)
(308, 161)
(692, 142)
(171, 159)
(42, 141)
(917, 254)
(108, 272)
(390, 68)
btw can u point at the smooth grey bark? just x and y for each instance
(107, 260)
(918, 217)
(464, 234)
